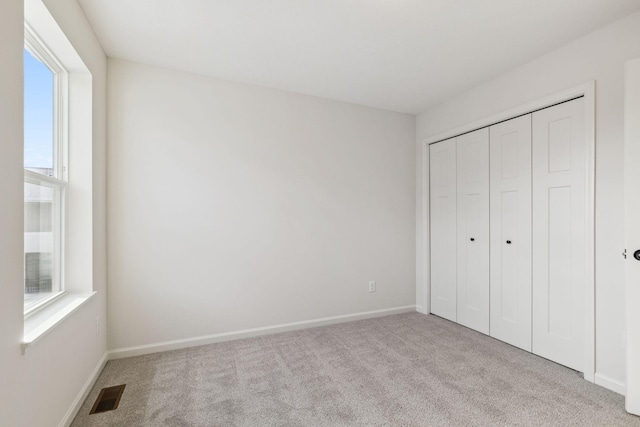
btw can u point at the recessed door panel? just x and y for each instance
(559, 233)
(442, 214)
(473, 230)
(509, 302)
(560, 295)
(510, 177)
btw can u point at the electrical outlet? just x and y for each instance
(372, 286)
(98, 326)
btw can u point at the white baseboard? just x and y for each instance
(254, 332)
(611, 384)
(420, 309)
(84, 392)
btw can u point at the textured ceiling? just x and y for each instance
(400, 55)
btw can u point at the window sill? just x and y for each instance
(43, 321)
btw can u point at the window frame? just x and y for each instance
(59, 181)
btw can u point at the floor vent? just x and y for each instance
(108, 399)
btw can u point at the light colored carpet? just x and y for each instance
(403, 370)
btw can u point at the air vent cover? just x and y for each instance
(108, 399)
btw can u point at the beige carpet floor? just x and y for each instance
(402, 370)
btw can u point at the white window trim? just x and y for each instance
(77, 84)
(39, 49)
(42, 321)
(60, 226)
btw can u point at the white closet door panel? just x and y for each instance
(473, 230)
(442, 167)
(559, 235)
(632, 231)
(510, 176)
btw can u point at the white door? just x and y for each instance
(473, 230)
(632, 231)
(442, 170)
(510, 158)
(559, 234)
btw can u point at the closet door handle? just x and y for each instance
(508, 242)
(472, 239)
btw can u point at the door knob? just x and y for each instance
(636, 254)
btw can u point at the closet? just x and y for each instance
(508, 231)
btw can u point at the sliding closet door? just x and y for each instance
(510, 156)
(442, 167)
(559, 244)
(473, 230)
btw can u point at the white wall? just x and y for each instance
(38, 389)
(233, 206)
(599, 56)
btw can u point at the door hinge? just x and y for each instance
(624, 254)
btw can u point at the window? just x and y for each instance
(58, 175)
(45, 184)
